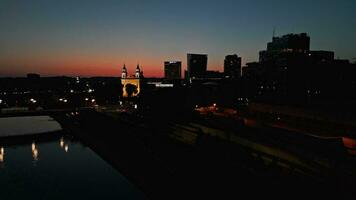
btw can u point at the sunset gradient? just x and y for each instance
(95, 38)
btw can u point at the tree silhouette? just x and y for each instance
(131, 89)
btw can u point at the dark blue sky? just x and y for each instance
(87, 37)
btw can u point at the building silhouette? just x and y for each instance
(288, 72)
(172, 70)
(33, 76)
(232, 66)
(320, 57)
(285, 47)
(197, 65)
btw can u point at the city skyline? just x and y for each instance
(96, 39)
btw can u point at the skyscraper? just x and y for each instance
(172, 70)
(290, 42)
(232, 66)
(197, 65)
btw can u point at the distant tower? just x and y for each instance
(124, 72)
(172, 70)
(232, 66)
(197, 65)
(138, 71)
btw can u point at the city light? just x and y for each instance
(163, 85)
(93, 100)
(135, 106)
(86, 99)
(66, 148)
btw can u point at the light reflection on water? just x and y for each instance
(61, 142)
(48, 170)
(34, 152)
(2, 154)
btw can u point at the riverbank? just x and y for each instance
(209, 167)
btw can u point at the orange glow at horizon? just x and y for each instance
(79, 66)
(87, 65)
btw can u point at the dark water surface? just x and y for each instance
(59, 169)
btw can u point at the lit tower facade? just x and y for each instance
(124, 72)
(138, 71)
(131, 85)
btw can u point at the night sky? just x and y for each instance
(95, 38)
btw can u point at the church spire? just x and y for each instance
(138, 71)
(124, 72)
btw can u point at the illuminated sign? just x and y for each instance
(163, 85)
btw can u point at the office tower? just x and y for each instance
(172, 70)
(232, 66)
(197, 65)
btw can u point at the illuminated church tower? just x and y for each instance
(138, 72)
(131, 85)
(124, 72)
